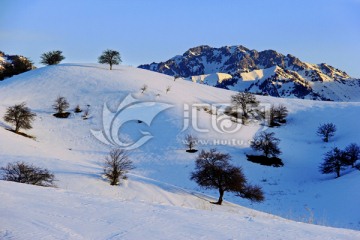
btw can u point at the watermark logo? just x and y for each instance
(224, 118)
(130, 109)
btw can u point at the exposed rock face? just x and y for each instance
(13, 64)
(264, 72)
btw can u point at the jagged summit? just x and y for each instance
(291, 78)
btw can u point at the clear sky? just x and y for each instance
(144, 31)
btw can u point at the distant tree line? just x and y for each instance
(16, 64)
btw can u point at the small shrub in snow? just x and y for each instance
(60, 105)
(86, 112)
(213, 170)
(77, 109)
(20, 116)
(168, 88)
(116, 165)
(52, 57)
(326, 131)
(29, 174)
(144, 88)
(190, 141)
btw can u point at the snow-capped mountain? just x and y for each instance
(266, 72)
(13, 64)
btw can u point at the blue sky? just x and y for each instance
(144, 31)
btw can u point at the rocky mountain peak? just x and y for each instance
(263, 72)
(196, 51)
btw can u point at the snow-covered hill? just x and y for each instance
(159, 191)
(37, 213)
(266, 72)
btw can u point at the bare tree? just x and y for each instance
(52, 57)
(326, 131)
(335, 160)
(190, 141)
(353, 153)
(214, 171)
(20, 116)
(60, 105)
(29, 174)
(110, 57)
(267, 143)
(245, 101)
(278, 115)
(117, 165)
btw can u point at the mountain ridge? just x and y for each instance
(308, 81)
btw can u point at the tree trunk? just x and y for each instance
(110, 66)
(220, 200)
(17, 128)
(243, 108)
(326, 138)
(338, 173)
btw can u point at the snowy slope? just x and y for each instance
(211, 79)
(37, 213)
(258, 74)
(67, 147)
